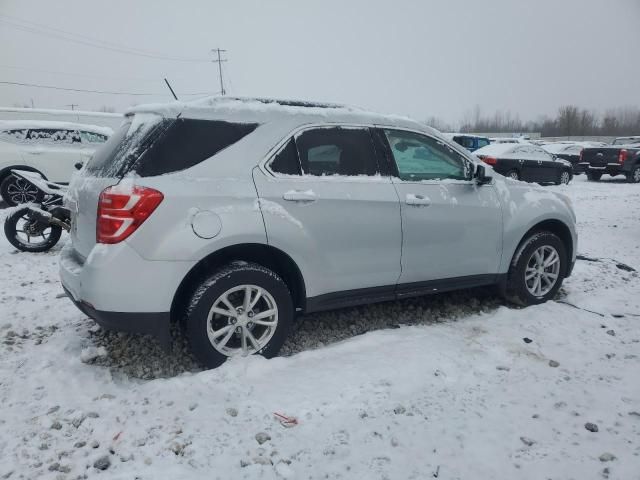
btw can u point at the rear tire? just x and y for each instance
(12, 234)
(593, 176)
(634, 175)
(264, 316)
(15, 190)
(529, 282)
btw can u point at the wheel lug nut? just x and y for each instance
(238, 330)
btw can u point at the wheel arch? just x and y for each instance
(6, 171)
(558, 228)
(262, 254)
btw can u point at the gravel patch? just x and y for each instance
(142, 357)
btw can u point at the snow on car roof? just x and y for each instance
(450, 135)
(53, 125)
(266, 110)
(496, 149)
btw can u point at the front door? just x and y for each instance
(451, 227)
(324, 203)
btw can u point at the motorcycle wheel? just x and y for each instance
(23, 233)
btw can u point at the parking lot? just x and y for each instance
(463, 385)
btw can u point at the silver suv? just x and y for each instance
(235, 215)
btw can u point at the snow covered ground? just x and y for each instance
(455, 386)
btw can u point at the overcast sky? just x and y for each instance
(418, 58)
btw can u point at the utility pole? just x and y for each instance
(219, 61)
(72, 105)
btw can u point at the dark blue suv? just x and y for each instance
(470, 142)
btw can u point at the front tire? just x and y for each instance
(564, 178)
(537, 269)
(634, 176)
(513, 174)
(20, 229)
(15, 190)
(242, 309)
(593, 176)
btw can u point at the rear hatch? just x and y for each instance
(600, 156)
(107, 167)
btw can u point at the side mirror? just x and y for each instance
(481, 175)
(79, 165)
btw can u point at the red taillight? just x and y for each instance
(120, 214)
(490, 160)
(581, 154)
(622, 156)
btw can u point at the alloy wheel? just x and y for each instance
(565, 178)
(514, 175)
(636, 175)
(27, 230)
(21, 191)
(543, 271)
(242, 320)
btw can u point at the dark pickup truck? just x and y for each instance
(612, 160)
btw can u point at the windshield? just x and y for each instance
(125, 146)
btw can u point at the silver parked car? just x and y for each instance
(235, 215)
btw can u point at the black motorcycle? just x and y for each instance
(37, 227)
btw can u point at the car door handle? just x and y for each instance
(300, 196)
(417, 199)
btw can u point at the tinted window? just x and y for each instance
(482, 142)
(92, 137)
(466, 142)
(423, 158)
(126, 145)
(286, 160)
(50, 135)
(188, 142)
(151, 145)
(337, 151)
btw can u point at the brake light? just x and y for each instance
(581, 154)
(490, 160)
(622, 156)
(120, 213)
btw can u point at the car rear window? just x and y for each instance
(153, 145)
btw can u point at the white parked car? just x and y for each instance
(49, 148)
(236, 215)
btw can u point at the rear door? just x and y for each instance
(325, 203)
(451, 226)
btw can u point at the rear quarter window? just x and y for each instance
(188, 142)
(151, 145)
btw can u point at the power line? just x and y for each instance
(51, 87)
(44, 30)
(219, 61)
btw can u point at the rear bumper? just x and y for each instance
(156, 324)
(609, 169)
(120, 290)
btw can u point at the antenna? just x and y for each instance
(169, 85)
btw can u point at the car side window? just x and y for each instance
(482, 142)
(419, 157)
(55, 136)
(286, 160)
(343, 151)
(92, 137)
